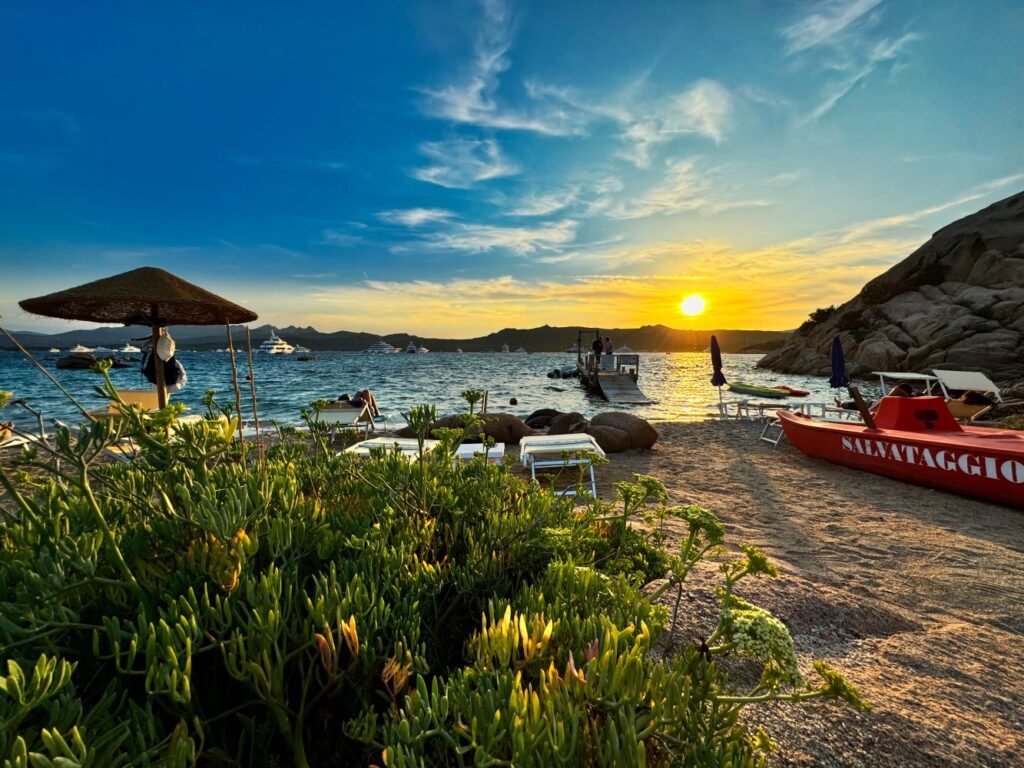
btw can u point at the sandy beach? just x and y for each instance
(915, 595)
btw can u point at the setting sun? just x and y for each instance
(692, 306)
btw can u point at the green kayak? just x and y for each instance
(752, 389)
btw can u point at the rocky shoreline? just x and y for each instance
(957, 302)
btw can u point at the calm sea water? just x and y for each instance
(678, 382)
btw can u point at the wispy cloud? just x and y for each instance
(879, 53)
(282, 162)
(522, 241)
(461, 163)
(415, 217)
(826, 24)
(472, 99)
(840, 34)
(869, 228)
(340, 238)
(544, 204)
(684, 188)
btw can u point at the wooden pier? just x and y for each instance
(618, 387)
(613, 377)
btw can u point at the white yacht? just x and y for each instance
(129, 349)
(504, 348)
(302, 350)
(458, 351)
(380, 348)
(412, 349)
(78, 349)
(275, 345)
(54, 351)
(521, 351)
(623, 350)
(575, 348)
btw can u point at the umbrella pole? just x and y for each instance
(252, 391)
(721, 404)
(234, 379)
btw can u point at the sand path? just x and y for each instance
(916, 595)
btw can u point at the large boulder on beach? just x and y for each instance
(957, 302)
(503, 427)
(541, 418)
(565, 423)
(611, 439)
(642, 435)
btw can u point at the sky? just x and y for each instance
(453, 168)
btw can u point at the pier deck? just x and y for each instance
(618, 387)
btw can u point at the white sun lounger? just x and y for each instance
(409, 447)
(347, 418)
(468, 451)
(560, 451)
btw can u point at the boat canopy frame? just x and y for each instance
(960, 381)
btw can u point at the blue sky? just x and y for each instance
(455, 168)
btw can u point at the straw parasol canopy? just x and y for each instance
(145, 296)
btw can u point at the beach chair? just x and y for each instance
(127, 450)
(339, 416)
(409, 447)
(561, 451)
(467, 451)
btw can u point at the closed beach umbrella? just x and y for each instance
(717, 378)
(145, 296)
(838, 378)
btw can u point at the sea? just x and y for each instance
(678, 383)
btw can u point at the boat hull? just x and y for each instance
(749, 389)
(986, 464)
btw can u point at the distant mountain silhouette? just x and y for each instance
(648, 338)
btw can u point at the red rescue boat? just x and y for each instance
(916, 439)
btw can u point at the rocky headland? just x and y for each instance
(957, 302)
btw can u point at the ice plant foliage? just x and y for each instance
(200, 607)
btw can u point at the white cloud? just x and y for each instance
(461, 163)
(827, 23)
(868, 228)
(546, 203)
(839, 33)
(522, 241)
(704, 109)
(835, 90)
(472, 100)
(339, 238)
(684, 188)
(784, 179)
(415, 217)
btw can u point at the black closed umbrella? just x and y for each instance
(717, 378)
(838, 378)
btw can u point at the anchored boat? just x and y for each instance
(917, 440)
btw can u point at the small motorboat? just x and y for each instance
(917, 440)
(741, 388)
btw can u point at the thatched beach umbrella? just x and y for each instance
(145, 296)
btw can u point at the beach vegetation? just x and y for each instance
(818, 316)
(204, 605)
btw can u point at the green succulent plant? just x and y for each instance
(197, 608)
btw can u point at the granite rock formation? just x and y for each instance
(957, 302)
